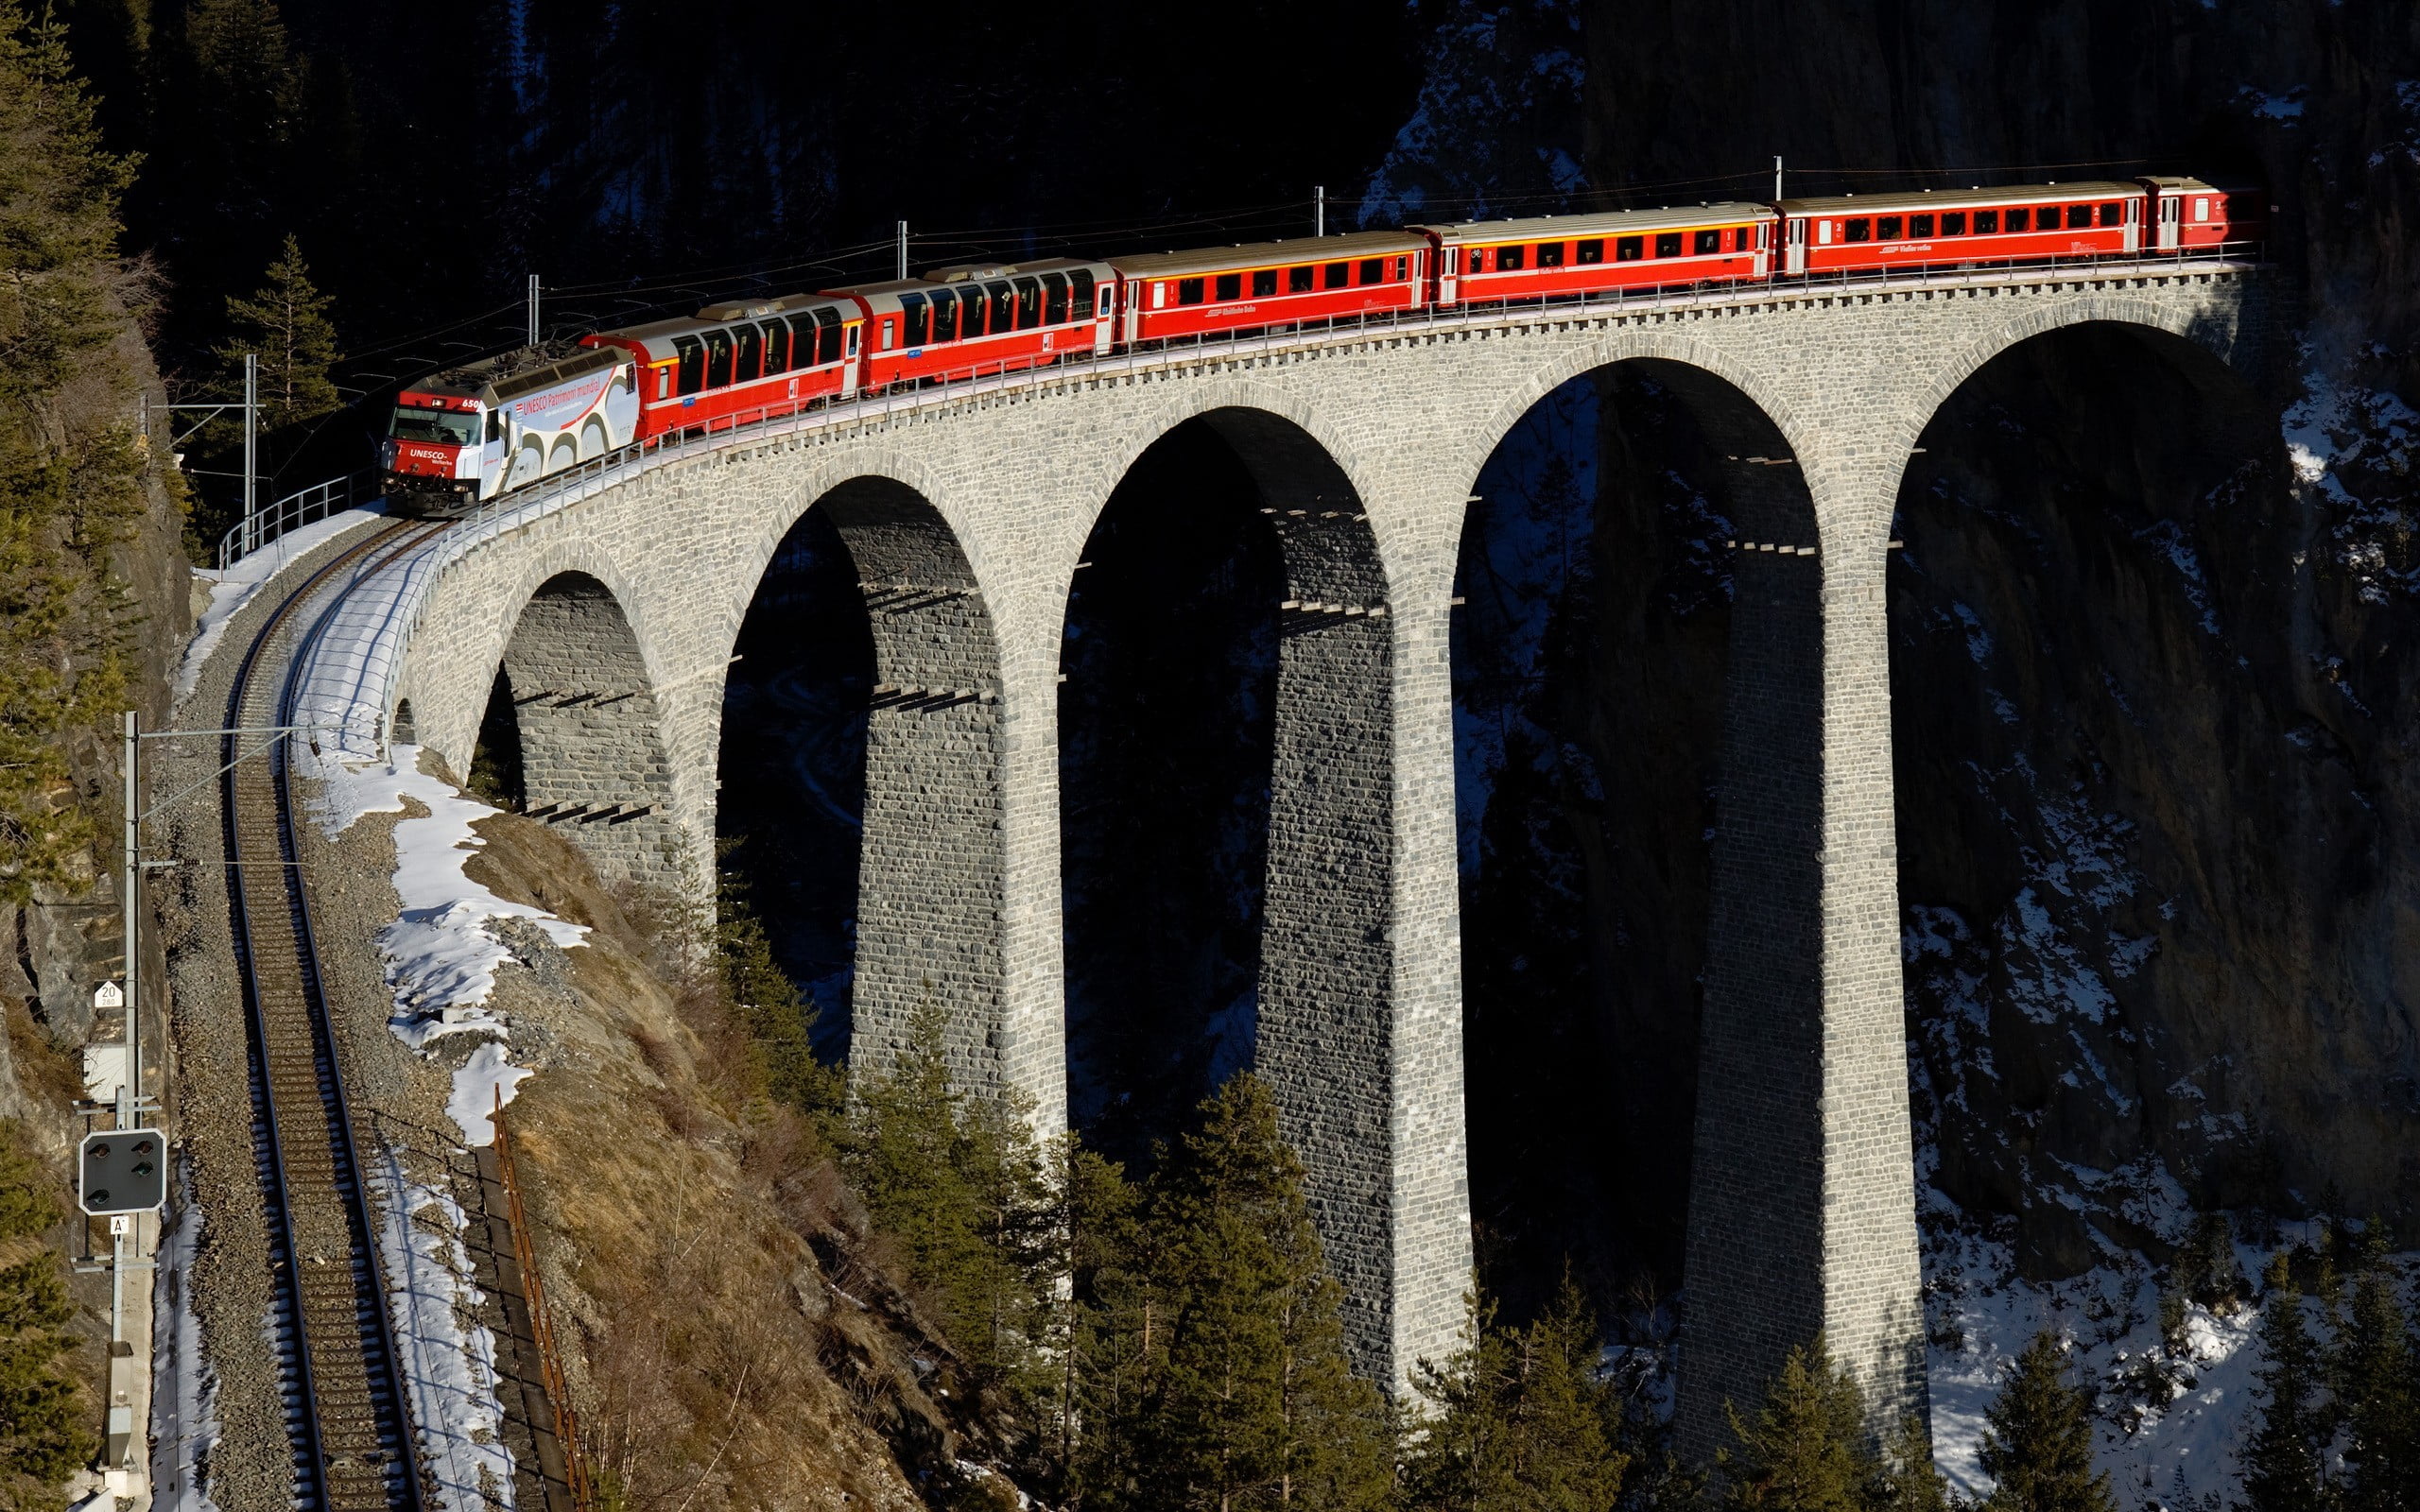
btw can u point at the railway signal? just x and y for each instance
(122, 1170)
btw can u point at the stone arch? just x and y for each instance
(932, 867)
(1326, 1036)
(585, 716)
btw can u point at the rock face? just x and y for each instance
(2153, 712)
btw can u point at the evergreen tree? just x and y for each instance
(1520, 1420)
(2038, 1447)
(42, 1436)
(71, 465)
(1912, 1482)
(2282, 1465)
(287, 324)
(958, 1183)
(779, 1017)
(1250, 1403)
(1807, 1450)
(2375, 1373)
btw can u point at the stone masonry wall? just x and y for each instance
(1405, 419)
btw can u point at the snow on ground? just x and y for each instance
(440, 955)
(486, 1079)
(448, 1357)
(231, 589)
(184, 1420)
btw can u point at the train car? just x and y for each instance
(981, 318)
(1256, 286)
(1960, 226)
(2189, 213)
(468, 434)
(1479, 261)
(734, 361)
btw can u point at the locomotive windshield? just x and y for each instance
(452, 428)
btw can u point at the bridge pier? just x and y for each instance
(1801, 1214)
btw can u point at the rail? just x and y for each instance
(550, 1361)
(354, 1448)
(298, 508)
(353, 667)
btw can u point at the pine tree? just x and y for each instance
(287, 324)
(1520, 1419)
(2038, 1447)
(1252, 1402)
(1807, 1451)
(779, 1017)
(958, 1183)
(42, 1437)
(2282, 1465)
(69, 464)
(1912, 1482)
(2375, 1370)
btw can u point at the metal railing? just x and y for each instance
(299, 508)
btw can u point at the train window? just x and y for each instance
(971, 306)
(1823, 232)
(915, 320)
(890, 334)
(1919, 226)
(663, 390)
(827, 335)
(1705, 241)
(1003, 301)
(1336, 275)
(1954, 223)
(1263, 282)
(1479, 259)
(1590, 252)
(691, 354)
(1159, 294)
(1629, 249)
(1986, 222)
(1299, 279)
(2015, 220)
(1029, 304)
(1403, 268)
(749, 346)
(1509, 259)
(2201, 207)
(777, 347)
(1188, 291)
(1550, 254)
(1373, 270)
(2079, 217)
(718, 359)
(1054, 299)
(1668, 244)
(2113, 212)
(1886, 228)
(944, 314)
(853, 328)
(1080, 298)
(1229, 286)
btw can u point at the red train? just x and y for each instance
(471, 434)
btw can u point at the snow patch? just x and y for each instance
(184, 1389)
(448, 1357)
(485, 1082)
(440, 955)
(231, 589)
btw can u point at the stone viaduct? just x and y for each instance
(612, 598)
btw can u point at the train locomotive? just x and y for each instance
(470, 433)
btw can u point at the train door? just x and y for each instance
(2172, 210)
(1449, 264)
(1794, 253)
(1763, 263)
(495, 439)
(2135, 224)
(1105, 315)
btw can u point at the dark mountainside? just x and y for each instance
(2156, 820)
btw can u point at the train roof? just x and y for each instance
(509, 374)
(2020, 194)
(656, 336)
(973, 272)
(1599, 223)
(1261, 254)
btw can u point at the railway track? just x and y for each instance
(353, 1443)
